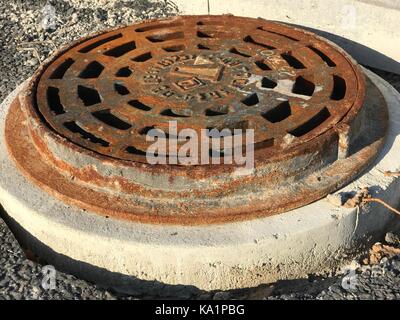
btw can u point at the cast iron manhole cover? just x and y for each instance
(106, 93)
(90, 107)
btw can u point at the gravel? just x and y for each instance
(25, 41)
(21, 278)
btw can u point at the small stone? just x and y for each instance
(32, 62)
(335, 199)
(392, 238)
(384, 260)
(74, 18)
(109, 296)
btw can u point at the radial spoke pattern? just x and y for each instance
(225, 72)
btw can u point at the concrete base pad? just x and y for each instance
(138, 258)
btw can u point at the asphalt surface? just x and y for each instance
(24, 44)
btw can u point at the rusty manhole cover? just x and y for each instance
(106, 93)
(89, 108)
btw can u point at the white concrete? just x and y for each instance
(367, 29)
(310, 239)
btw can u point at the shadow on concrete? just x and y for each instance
(124, 285)
(359, 52)
(104, 278)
